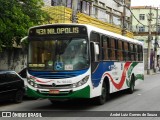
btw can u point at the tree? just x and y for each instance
(16, 17)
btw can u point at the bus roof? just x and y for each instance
(96, 29)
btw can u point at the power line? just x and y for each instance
(130, 12)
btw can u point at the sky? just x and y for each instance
(154, 3)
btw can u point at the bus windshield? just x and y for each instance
(58, 55)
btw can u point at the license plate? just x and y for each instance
(54, 91)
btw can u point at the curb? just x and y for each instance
(151, 72)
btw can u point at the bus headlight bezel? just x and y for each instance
(32, 83)
(81, 82)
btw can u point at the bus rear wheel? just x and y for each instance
(132, 84)
(100, 100)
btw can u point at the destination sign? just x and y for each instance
(57, 30)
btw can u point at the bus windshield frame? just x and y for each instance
(58, 52)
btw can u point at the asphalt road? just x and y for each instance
(145, 98)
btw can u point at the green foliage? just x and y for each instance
(16, 17)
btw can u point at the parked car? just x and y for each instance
(11, 86)
(23, 74)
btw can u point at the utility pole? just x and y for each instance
(124, 19)
(149, 41)
(74, 10)
(156, 43)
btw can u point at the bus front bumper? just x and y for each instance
(82, 93)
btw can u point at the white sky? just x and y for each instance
(154, 3)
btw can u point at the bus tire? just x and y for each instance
(100, 100)
(132, 84)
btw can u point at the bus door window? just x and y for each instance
(95, 37)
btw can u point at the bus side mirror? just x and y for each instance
(96, 46)
(24, 42)
(94, 51)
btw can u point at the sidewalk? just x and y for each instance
(151, 72)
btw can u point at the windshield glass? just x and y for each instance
(58, 55)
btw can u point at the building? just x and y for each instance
(140, 27)
(112, 15)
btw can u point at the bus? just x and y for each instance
(69, 61)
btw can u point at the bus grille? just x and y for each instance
(68, 86)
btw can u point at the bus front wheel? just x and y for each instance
(100, 100)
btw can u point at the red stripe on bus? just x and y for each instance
(42, 81)
(120, 84)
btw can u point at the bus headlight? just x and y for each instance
(32, 83)
(81, 82)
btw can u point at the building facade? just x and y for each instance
(140, 27)
(114, 12)
(113, 15)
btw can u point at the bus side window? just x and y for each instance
(132, 52)
(116, 49)
(135, 53)
(140, 53)
(105, 51)
(129, 52)
(112, 50)
(125, 51)
(120, 54)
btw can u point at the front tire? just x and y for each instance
(100, 100)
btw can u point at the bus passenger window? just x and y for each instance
(140, 53)
(136, 52)
(129, 52)
(120, 54)
(116, 49)
(132, 52)
(112, 51)
(105, 53)
(125, 51)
